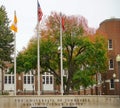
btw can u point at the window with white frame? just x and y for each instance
(9, 79)
(110, 44)
(5, 79)
(47, 78)
(12, 79)
(48, 83)
(111, 64)
(43, 79)
(28, 79)
(112, 84)
(32, 79)
(25, 81)
(51, 81)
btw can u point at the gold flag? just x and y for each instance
(14, 24)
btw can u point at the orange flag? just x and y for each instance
(14, 24)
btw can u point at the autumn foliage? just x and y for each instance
(84, 52)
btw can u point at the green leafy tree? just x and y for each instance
(83, 57)
(27, 58)
(92, 61)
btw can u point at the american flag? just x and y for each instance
(40, 14)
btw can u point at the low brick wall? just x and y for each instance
(57, 101)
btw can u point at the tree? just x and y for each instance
(83, 57)
(6, 37)
(6, 41)
(95, 61)
(27, 58)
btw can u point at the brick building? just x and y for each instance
(27, 84)
(108, 83)
(110, 28)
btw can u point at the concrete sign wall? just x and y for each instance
(59, 101)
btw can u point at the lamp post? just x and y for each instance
(114, 76)
(118, 60)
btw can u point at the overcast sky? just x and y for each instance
(95, 11)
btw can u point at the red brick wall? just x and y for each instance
(111, 29)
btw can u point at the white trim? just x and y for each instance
(111, 68)
(116, 80)
(108, 81)
(110, 48)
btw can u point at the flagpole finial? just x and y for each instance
(60, 14)
(14, 12)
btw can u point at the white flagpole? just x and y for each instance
(14, 28)
(61, 54)
(14, 55)
(15, 63)
(38, 51)
(38, 60)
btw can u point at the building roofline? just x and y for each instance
(108, 20)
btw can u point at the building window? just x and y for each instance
(28, 79)
(5, 79)
(47, 78)
(9, 79)
(110, 44)
(112, 86)
(13, 79)
(32, 79)
(111, 64)
(43, 79)
(24, 79)
(51, 80)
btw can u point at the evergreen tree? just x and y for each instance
(6, 38)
